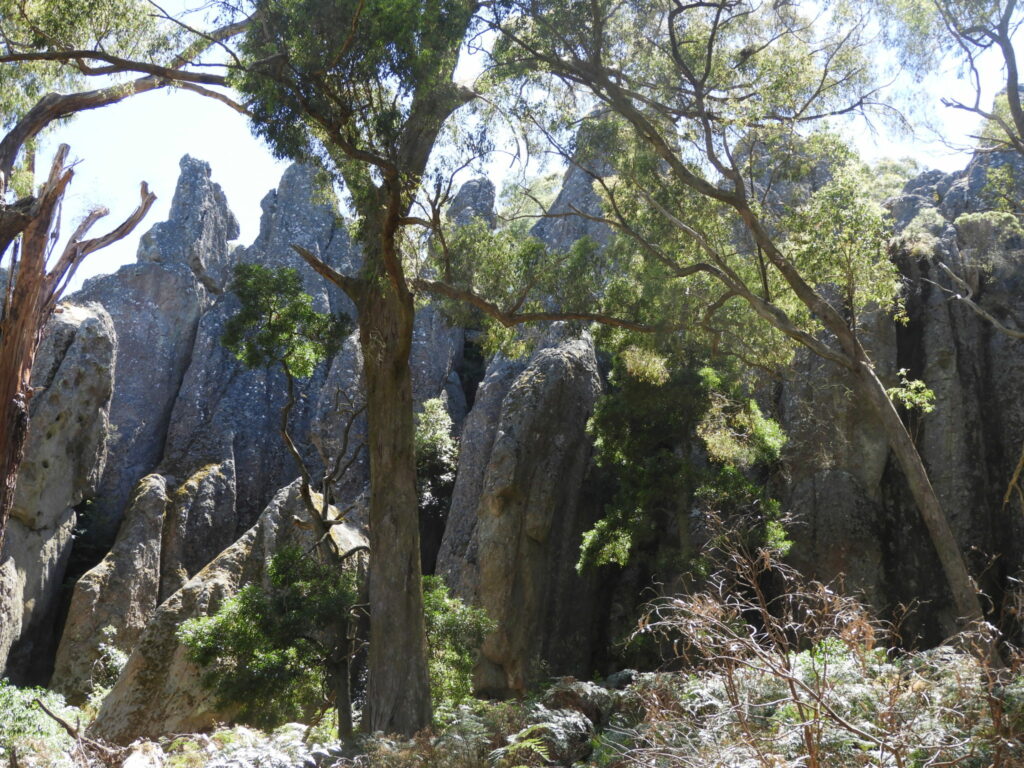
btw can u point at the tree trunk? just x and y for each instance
(19, 340)
(340, 680)
(398, 694)
(28, 300)
(954, 565)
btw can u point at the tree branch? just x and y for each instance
(349, 285)
(510, 319)
(968, 298)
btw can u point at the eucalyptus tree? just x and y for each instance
(706, 105)
(925, 31)
(276, 327)
(49, 50)
(364, 87)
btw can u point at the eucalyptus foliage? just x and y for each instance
(124, 28)
(671, 438)
(336, 81)
(264, 652)
(707, 110)
(455, 632)
(641, 431)
(28, 736)
(437, 458)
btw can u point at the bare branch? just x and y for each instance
(967, 298)
(346, 283)
(510, 319)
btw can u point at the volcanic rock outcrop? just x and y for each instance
(64, 458)
(192, 454)
(856, 515)
(159, 691)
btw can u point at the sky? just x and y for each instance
(144, 137)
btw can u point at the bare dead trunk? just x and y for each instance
(19, 340)
(24, 314)
(398, 694)
(30, 298)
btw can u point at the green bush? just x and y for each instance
(669, 439)
(455, 632)
(276, 323)
(437, 459)
(29, 733)
(265, 650)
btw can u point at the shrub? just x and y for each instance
(437, 459)
(266, 650)
(28, 736)
(455, 632)
(788, 673)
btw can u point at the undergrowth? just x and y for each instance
(764, 669)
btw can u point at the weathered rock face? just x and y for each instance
(64, 457)
(475, 199)
(298, 212)
(209, 428)
(458, 559)
(436, 347)
(224, 411)
(159, 690)
(520, 507)
(155, 309)
(514, 555)
(834, 460)
(843, 483)
(198, 228)
(155, 305)
(198, 524)
(577, 194)
(121, 592)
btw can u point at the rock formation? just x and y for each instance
(64, 457)
(194, 454)
(520, 507)
(155, 305)
(206, 427)
(857, 516)
(121, 592)
(159, 691)
(530, 517)
(197, 230)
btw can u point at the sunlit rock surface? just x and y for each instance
(64, 457)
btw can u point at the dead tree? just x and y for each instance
(29, 226)
(34, 286)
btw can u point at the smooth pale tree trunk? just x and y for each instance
(954, 565)
(398, 695)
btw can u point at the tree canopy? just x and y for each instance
(707, 102)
